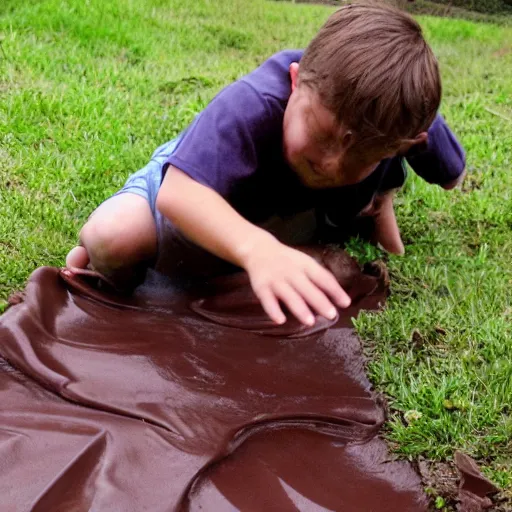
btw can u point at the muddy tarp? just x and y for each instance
(190, 400)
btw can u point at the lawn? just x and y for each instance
(89, 89)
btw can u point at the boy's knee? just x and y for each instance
(109, 243)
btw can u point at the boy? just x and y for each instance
(325, 129)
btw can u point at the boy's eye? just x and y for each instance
(322, 138)
(325, 141)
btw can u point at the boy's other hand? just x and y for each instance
(387, 233)
(280, 273)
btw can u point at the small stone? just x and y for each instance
(448, 404)
(412, 416)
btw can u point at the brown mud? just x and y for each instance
(177, 399)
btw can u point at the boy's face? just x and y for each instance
(314, 143)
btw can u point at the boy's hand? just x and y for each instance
(387, 233)
(280, 273)
(276, 271)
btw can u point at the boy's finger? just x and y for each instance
(327, 282)
(315, 297)
(271, 306)
(295, 303)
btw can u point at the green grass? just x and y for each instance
(89, 89)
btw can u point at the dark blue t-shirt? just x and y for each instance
(234, 146)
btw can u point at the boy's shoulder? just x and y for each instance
(239, 128)
(272, 78)
(275, 67)
(259, 98)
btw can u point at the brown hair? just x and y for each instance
(374, 70)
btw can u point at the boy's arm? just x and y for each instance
(277, 272)
(441, 159)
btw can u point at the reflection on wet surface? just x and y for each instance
(190, 401)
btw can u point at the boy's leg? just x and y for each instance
(118, 236)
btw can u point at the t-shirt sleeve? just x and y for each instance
(443, 160)
(223, 143)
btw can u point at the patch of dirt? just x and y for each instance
(503, 501)
(502, 51)
(472, 181)
(460, 487)
(440, 479)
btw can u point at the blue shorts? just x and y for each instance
(175, 255)
(146, 182)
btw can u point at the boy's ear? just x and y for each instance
(347, 139)
(294, 74)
